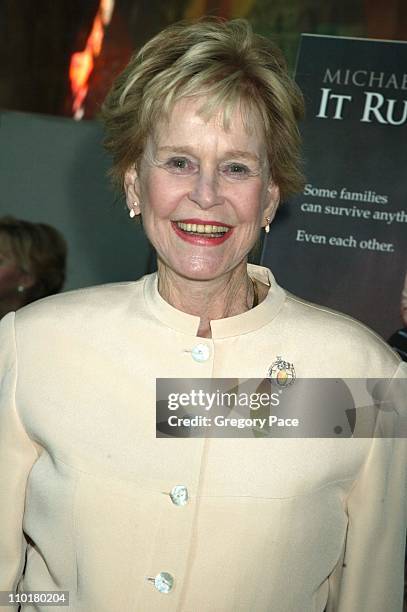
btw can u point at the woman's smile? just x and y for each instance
(203, 233)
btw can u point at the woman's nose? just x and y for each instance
(205, 191)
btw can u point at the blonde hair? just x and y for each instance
(39, 250)
(226, 62)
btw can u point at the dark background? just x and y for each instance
(38, 38)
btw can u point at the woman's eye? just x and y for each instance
(237, 170)
(179, 164)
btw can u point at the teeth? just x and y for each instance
(202, 229)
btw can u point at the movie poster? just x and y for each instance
(343, 241)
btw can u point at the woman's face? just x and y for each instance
(203, 192)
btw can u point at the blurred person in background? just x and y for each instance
(404, 302)
(32, 262)
(398, 341)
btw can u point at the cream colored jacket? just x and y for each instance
(276, 525)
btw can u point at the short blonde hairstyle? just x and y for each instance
(226, 62)
(38, 249)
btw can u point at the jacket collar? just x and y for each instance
(221, 328)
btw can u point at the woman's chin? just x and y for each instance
(199, 275)
(199, 269)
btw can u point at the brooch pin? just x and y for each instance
(281, 372)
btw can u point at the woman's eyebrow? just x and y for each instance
(242, 155)
(228, 154)
(175, 149)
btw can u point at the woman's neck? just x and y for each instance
(225, 296)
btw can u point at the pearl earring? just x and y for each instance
(20, 288)
(267, 226)
(132, 212)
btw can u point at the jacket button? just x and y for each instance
(163, 582)
(200, 352)
(179, 495)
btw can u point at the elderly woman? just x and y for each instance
(32, 262)
(202, 129)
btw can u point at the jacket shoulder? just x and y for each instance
(338, 335)
(82, 304)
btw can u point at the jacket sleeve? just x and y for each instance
(17, 455)
(370, 575)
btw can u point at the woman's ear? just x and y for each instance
(132, 191)
(26, 280)
(273, 200)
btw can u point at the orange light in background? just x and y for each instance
(82, 62)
